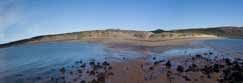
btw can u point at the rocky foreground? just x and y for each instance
(200, 68)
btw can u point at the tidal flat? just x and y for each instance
(172, 61)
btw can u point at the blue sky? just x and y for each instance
(27, 18)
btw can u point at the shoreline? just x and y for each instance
(110, 41)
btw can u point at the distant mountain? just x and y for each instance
(158, 31)
(229, 32)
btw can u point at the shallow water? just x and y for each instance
(41, 58)
(225, 46)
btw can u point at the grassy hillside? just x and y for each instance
(230, 32)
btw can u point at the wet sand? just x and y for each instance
(151, 43)
(190, 69)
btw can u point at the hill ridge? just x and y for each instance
(229, 32)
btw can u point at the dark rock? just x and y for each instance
(83, 81)
(186, 78)
(62, 70)
(83, 65)
(71, 72)
(168, 64)
(228, 61)
(101, 77)
(105, 63)
(92, 63)
(151, 68)
(80, 71)
(180, 68)
(94, 81)
(109, 67)
(198, 56)
(210, 53)
(110, 74)
(154, 58)
(216, 68)
(92, 72)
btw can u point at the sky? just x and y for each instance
(21, 19)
